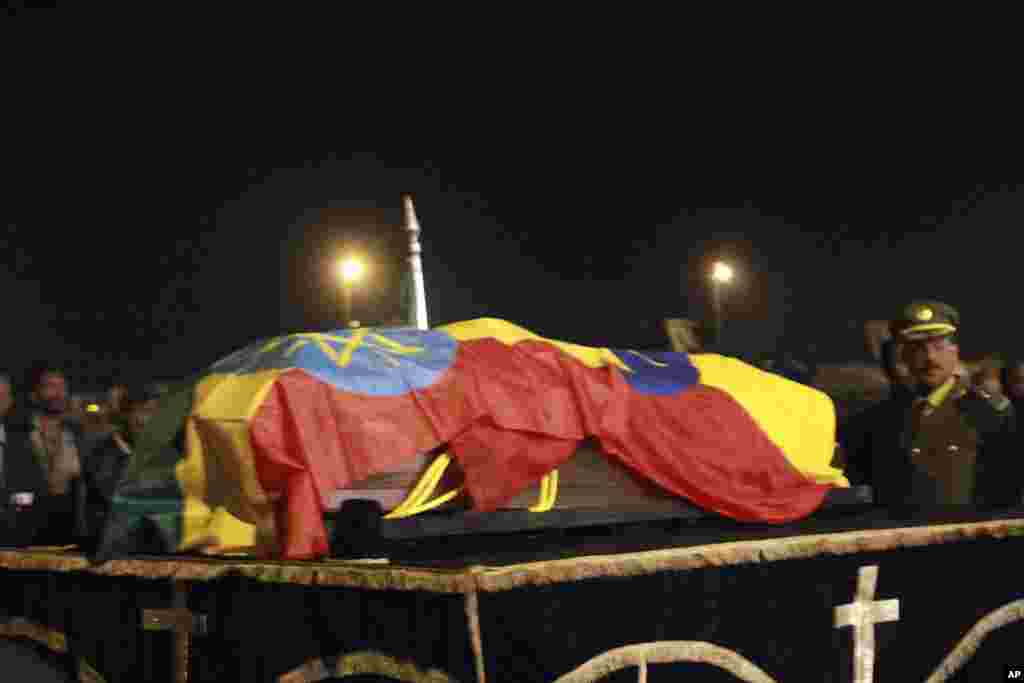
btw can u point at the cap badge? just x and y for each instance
(925, 314)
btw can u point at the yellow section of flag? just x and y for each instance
(222, 494)
(800, 420)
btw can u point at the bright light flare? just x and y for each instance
(722, 272)
(351, 270)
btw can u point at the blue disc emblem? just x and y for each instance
(386, 361)
(660, 373)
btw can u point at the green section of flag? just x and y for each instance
(161, 446)
(148, 503)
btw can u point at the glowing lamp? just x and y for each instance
(351, 270)
(721, 272)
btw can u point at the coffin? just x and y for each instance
(588, 480)
(594, 490)
(273, 431)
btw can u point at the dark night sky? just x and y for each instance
(169, 258)
(158, 231)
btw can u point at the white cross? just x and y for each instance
(863, 614)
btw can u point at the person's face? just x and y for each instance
(52, 393)
(139, 414)
(1015, 382)
(6, 398)
(932, 361)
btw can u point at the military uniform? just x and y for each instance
(952, 445)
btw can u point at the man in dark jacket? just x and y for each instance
(940, 440)
(43, 457)
(855, 434)
(107, 462)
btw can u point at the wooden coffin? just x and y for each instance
(593, 491)
(589, 480)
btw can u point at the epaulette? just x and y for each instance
(1000, 403)
(985, 412)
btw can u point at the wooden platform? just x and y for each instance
(718, 598)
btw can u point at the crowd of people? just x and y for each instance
(60, 463)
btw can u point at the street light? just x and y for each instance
(350, 271)
(721, 274)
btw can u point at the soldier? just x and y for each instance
(946, 441)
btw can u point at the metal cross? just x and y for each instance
(183, 623)
(863, 613)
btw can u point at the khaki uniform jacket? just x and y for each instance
(955, 446)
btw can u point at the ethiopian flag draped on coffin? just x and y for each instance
(267, 434)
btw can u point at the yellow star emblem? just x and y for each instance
(377, 343)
